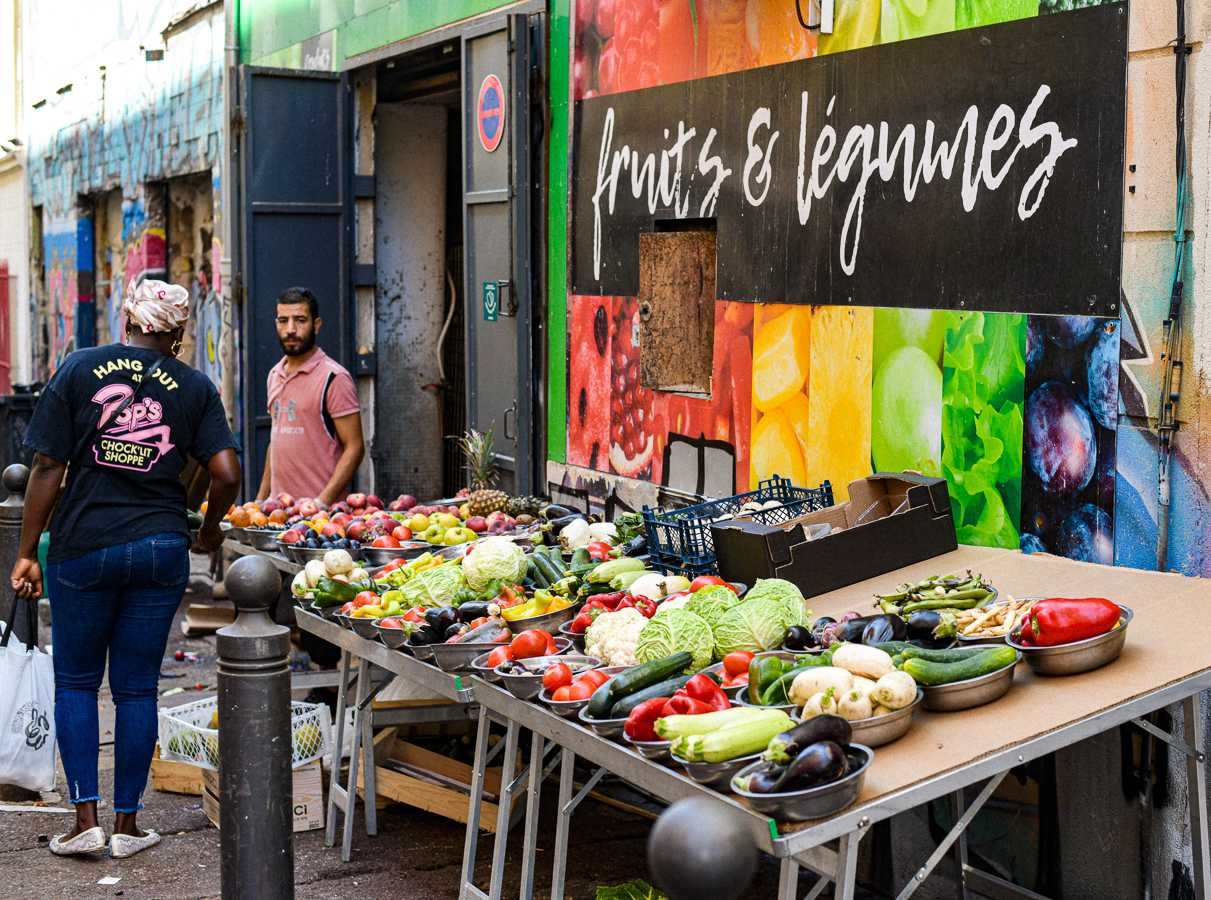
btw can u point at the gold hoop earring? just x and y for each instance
(176, 347)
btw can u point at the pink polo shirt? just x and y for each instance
(303, 405)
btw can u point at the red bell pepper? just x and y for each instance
(640, 724)
(1062, 620)
(599, 550)
(646, 605)
(706, 689)
(682, 705)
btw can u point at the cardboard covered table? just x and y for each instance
(943, 752)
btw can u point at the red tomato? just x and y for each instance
(531, 642)
(385, 541)
(736, 663)
(498, 656)
(389, 622)
(346, 608)
(580, 691)
(402, 533)
(365, 598)
(595, 677)
(556, 677)
(561, 694)
(392, 566)
(706, 581)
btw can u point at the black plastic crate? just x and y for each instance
(680, 539)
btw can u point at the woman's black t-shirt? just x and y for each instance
(123, 483)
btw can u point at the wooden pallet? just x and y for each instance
(175, 777)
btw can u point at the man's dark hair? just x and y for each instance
(294, 295)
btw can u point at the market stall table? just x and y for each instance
(942, 753)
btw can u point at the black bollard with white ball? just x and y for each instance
(256, 835)
(700, 850)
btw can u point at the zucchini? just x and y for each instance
(987, 660)
(535, 573)
(634, 679)
(954, 654)
(551, 571)
(665, 688)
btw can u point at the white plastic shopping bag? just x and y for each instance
(27, 714)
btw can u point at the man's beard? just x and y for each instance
(304, 346)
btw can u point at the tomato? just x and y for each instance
(392, 566)
(385, 541)
(346, 608)
(498, 656)
(595, 677)
(552, 649)
(389, 622)
(735, 663)
(531, 642)
(580, 691)
(365, 598)
(561, 694)
(402, 533)
(415, 614)
(706, 581)
(556, 677)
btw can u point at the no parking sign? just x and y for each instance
(490, 113)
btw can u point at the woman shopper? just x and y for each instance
(121, 420)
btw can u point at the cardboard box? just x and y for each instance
(889, 521)
(308, 796)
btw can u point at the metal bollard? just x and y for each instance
(254, 739)
(15, 478)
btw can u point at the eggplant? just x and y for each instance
(558, 525)
(786, 746)
(887, 627)
(636, 546)
(931, 628)
(763, 781)
(818, 629)
(472, 610)
(555, 511)
(441, 618)
(850, 632)
(426, 634)
(454, 629)
(799, 637)
(818, 763)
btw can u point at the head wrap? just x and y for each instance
(156, 306)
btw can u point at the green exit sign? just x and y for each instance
(491, 301)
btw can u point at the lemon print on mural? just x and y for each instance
(855, 24)
(836, 439)
(780, 356)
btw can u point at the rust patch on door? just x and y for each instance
(677, 311)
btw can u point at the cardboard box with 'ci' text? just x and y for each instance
(307, 802)
(889, 521)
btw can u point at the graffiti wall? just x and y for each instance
(1040, 423)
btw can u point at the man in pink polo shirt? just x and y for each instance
(315, 444)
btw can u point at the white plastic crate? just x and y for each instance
(186, 733)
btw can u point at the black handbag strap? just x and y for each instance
(31, 610)
(91, 435)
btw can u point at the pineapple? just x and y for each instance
(479, 460)
(526, 506)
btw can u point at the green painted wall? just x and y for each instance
(281, 32)
(557, 233)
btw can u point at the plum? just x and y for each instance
(1087, 535)
(1032, 543)
(1070, 332)
(1059, 439)
(1101, 374)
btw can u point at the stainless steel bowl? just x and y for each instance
(814, 802)
(606, 728)
(458, 657)
(480, 667)
(1078, 656)
(656, 751)
(971, 691)
(237, 532)
(576, 639)
(548, 622)
(328, 612)
(742, 700)
(302, 555)
(395, 638)
(528, 685)
(716, 775)
(380, 556)
(458, 551)
(568, 709)
(978, 641)
(423, 652)
(343, 620)
(879, 730)
(363, 627)
(263, 538)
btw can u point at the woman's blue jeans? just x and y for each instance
(117, 602)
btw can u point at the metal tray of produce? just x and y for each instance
(606, 728)
(395, 638)
(814, 802)
(236, 532)
(363, 626)
(576, 639)
(457, 657)
(970, 692)
(1078, 656)
(716, 775)
(423, 652)
(528, 685)
(301, 555)
(548, 622)
(380, 556)
(991, 640)
(879, 730)
(656, 751)
(262, 538)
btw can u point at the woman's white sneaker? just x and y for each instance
(89, 841)
(124, 845)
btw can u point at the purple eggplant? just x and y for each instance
(819, 763)
(763, 781)
(785, 747)
(887, 627)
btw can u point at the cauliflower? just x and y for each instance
(613, 636)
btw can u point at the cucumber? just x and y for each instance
(988, 660)
(548, 567)
(634, 679)
(665, 688)
(535, 574)
(954, 654)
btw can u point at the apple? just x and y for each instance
(464, 511)
(433, 534)
(270, 506)
(446, 520)
(406, 501)
(291, 536)
(356, 530)
(285, 499)
(307, 508)
(365, 598)
(385, 541)
(373, 500)
(341, 518)
(332, 529)
(402, 533)
(395, 506)
(356, 500)
(418, 522)
(478, 524)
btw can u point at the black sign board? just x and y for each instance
(981, 169)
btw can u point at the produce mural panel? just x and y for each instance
(835, 391)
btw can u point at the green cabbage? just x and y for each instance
(795, 611)
(494, 559)
(433, 587)
(675, 631)
(712, 602)
(753, 625)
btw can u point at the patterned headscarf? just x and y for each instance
(156, 306)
